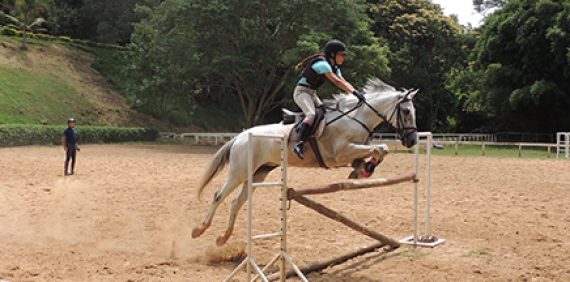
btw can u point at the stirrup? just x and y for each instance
(298, 149)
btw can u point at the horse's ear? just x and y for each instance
(411, 94)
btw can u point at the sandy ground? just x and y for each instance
(128, 213)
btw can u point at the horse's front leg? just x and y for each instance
(356, 153)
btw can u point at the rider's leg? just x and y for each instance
(305, 101)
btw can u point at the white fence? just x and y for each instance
(201, 138)
(450, 139)
(474, 137)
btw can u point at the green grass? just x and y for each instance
(27, 97)
(225, 115)
(493, 151)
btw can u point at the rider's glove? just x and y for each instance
(359, 95)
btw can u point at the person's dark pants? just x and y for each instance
(71, 153)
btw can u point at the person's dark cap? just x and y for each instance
(70, 120)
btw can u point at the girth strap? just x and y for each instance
(315, 146)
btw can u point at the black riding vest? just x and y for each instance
(314, 79)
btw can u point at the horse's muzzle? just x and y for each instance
(409, 140)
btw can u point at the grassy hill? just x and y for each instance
(53, 81)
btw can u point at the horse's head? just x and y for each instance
(396, 107)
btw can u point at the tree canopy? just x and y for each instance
(191, 49)
(425, 45)
(186, 56)
(522, 65)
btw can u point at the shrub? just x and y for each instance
(9, 31)
(21, 135)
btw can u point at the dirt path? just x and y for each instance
(127, 216)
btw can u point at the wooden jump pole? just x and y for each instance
(297, 195)
(351, 185)
(383, 241)
(345, 220)
(320, 265)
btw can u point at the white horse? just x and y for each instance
(343, 142)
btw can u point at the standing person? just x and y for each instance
(69, 142)
(319, 67)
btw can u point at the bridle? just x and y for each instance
(400, 128)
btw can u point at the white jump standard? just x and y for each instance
(282, 255)
(426, 240)
(563, 144)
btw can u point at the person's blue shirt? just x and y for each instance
(321, 67)
(70, 137)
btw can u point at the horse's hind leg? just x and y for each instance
(231, 184)
(238, 202)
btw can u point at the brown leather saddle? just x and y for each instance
(290, 117)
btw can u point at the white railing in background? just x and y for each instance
(450, 139)
(209, 138)
(445, 137)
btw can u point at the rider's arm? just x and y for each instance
(64, 141)
(340, 82)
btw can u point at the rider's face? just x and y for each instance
(340, 56)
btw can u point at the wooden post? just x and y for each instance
(456, 147)
(520, 150)
(548, 152)
(483, 149)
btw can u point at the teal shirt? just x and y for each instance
(321, 67)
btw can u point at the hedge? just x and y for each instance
(21, 135)
(13, 31)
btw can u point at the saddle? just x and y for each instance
(318, 126)
(317, 129)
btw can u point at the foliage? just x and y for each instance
(107, 21)
(186, 51)
(425, 46)
(26, 15)
(522, 59)
(483, 6)
(20, 135)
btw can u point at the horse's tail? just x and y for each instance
(217, 163)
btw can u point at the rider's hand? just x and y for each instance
(359, 95)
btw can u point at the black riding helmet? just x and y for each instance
(332, 47)
(70, 120)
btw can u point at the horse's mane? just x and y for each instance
(374, 86)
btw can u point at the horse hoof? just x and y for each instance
(197, 231)
(357, 163)
(222, 240)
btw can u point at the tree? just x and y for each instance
(523, 59)
(219, 48)
(26, 16)
(483, 6)
(107, 21)
(425, 45)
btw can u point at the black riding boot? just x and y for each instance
(303, 132)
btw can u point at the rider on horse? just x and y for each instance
(312, 77)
